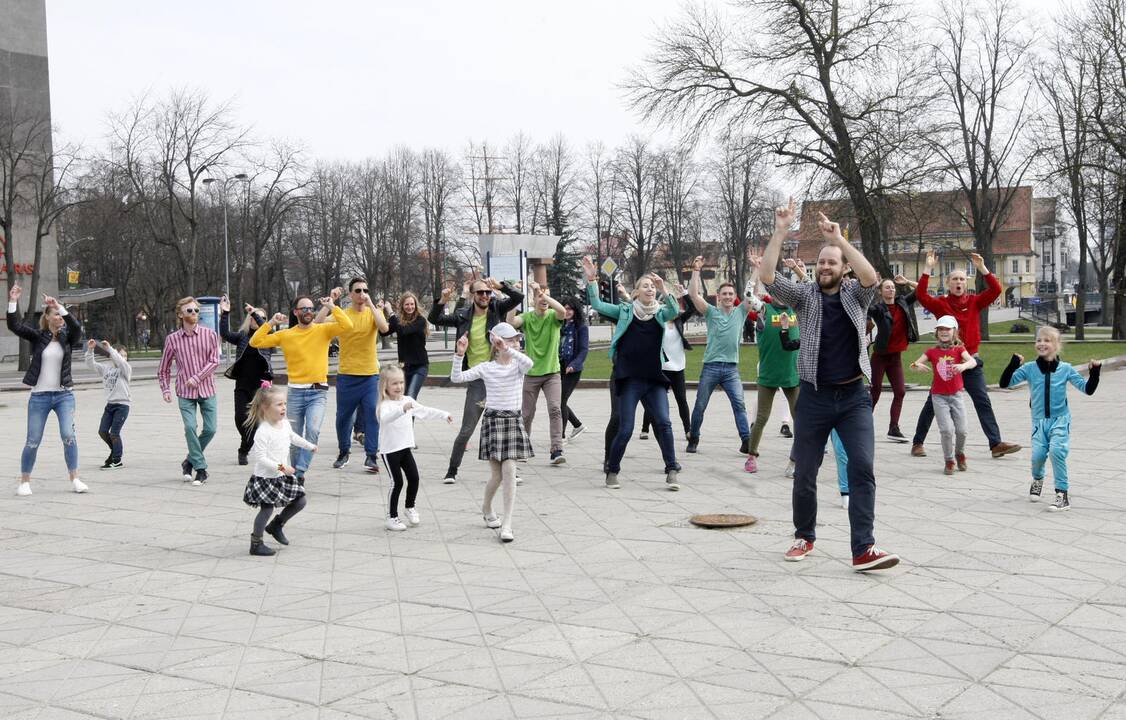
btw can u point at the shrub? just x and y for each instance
(1019, 328)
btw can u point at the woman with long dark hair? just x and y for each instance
(250, 368)
(413, 330)
(48, 376)
(574, 343)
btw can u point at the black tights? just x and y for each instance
(399, 463)
(265, 511)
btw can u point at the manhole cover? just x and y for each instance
(722, 520)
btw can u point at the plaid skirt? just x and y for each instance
(503, 436)
(276, 491)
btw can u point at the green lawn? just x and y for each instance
(1002, 328)
(996, 357)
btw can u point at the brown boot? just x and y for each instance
(917, 450)
(1004, 448)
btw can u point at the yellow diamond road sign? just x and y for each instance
(609, 266)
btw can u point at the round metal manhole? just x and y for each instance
(722, 520)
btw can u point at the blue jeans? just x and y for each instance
(109, 430)
(848, 410)
(356, 394)
(416, 378)
(725, 375)
(654, 397)
(841, 455)
(208, 409)
(39, 405)
(974, 382)
(306, 411)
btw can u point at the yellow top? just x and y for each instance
(358, 354)
(479, 350)
(305, 348)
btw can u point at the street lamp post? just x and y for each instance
(244, 178)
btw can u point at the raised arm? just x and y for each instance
(1014, 373)
(513, 297)
(783, 219)
(992, 289)
(831, 232)
(91, 362)
(437, 316)
(600, 306)
(121, 363)
(381, 323)
(263, 338)
(694, 295)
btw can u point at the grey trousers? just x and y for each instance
(950, 412)
(552, 388)
(470, 416)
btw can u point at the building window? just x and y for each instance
(1016, 267)
(1027, 264)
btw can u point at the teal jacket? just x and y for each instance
(622, 314)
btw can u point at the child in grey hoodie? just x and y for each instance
(115, 381)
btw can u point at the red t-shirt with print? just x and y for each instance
(943, 360)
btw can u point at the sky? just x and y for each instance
(349, 80)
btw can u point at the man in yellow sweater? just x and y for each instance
(357, 380)
(306, 358)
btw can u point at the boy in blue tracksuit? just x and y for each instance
(1047, 378)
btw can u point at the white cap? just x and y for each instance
(947, 321)
(504, 330)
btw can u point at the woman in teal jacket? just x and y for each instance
(636, 353)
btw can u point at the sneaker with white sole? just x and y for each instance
(449, 480)
(412, 517)
(578, 431)
(394, 523)
(79, 486)
(186, 470)
(557, 457)
(643, 436)
(672, 481)
(844, 501)
(506, 535)
(789, 469)
(341, 459)
(798, 550)
(612, 481)
(491, 520)
(874, 559)
(1035, 489)
(23, 489)
(1061, 502)
(200, 477)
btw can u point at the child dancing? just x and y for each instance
(273, 483)
(1047, 378)
(946, 389)
(503, 440)
(397, 413)
(115, 382)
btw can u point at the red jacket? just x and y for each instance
(965, 308)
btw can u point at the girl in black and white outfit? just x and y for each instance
(503, 440)
(397, 412)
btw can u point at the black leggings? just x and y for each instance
(399, 463)
(265, 511)
(612, 425)
(570, 380)
(242, 407)
(680, 392)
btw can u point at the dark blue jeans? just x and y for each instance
(357, 396)
(974, 380)
(654, 397)
(848, 410)
(415, 376)
(113, 418)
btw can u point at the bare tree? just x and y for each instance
(25, 152)
(437, 188)
(274, 190)
(743, 201)
(481, 185)
(679, 189)
(600, 197)
(515, 184)
(637, 177)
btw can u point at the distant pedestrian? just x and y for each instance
(115, 383)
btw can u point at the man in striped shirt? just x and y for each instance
(195, 350)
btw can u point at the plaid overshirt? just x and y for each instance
(805, 299)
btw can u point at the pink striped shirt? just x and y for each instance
(196, 355)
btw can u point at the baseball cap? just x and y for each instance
(505, 331)
(947, 321)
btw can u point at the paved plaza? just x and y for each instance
(138, 600)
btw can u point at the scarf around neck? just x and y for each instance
(644, 312)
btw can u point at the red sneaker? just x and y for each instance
(961, 458)
(874, 559)
(948, 469)
(751, 465)
(798, 550)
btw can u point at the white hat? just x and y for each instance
(504, 330)
(947, 321)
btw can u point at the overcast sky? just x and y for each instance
(351, 79)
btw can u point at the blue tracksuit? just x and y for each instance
(1051, 417)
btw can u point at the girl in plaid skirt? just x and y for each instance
(272, 483)
(503, 440)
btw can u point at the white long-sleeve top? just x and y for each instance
(271, 447)
(115, 375)
(504, 383)
(396, 431)
(50, 362)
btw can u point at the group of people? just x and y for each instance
(813, 333)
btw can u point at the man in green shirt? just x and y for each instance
(777, 369)
(542, 326)
(721, 356)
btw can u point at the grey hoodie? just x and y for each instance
(115, 377)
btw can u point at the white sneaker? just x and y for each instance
(578, 431)
(23, 489)
(506, 535)
(844, 501)
(412, 516)
(449, 480)
(79, 486)
(394, 523)
(790, 469)
(491, 521)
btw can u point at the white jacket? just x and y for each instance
(396, 431)
(271, 448)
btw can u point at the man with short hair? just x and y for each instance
(357, 378)
(476, 319)
(832, 365)
(306, 357)
(966, 308)
(195, 351)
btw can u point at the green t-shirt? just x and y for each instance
(478, 351)
(777, 368)
(541, 341)
(724, 332)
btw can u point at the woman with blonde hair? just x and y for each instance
(413, 330)
(250, 368)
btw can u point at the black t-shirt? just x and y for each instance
(412, 340)
(638, 355)
(838, 358)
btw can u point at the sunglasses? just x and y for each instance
(307, 309)
(193, 311)
(482, 292)
(360, 290)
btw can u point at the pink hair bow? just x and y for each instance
(267, 384)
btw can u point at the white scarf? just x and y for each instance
(644, 312)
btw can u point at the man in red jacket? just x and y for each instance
(966, 307)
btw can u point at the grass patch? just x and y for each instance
(1003, 328)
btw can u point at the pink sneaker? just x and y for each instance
(752, 464)
(798, 550)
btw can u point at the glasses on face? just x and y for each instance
(363, 291)
(482, 292)
(192, 311)
(305, 309)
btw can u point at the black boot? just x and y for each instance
(745, 445)
(242, 458)
(257, 547)
(693, 441)
(275, 528)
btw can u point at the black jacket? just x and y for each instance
(881, 317)
(679, 322)
(462, 317)
(249, 368)
(411, 347)
(70, 336)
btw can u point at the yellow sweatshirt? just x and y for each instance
(306, 349)
(358, 354)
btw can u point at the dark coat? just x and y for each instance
(256, 364)
(881, 317)
(462, 317)
(70, 336)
